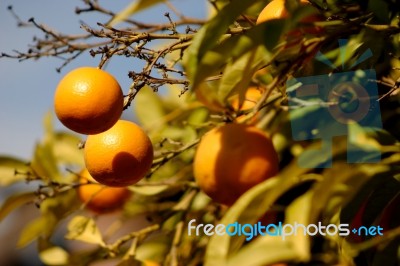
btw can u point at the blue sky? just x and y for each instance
(26, 88)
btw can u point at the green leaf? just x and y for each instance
(210, 33)
(238, 74)
(42, 226)
(61, 205)
(14, 202)
(154, 249)
(198, 117)
(359, 136)
(44, 163)
(339, 186)
(53, 210)
(218, 249)
(131, 9)
(200, 57)
(129, 262)
(66, 149)
(207, 94)
(200, 201)
(149, 190)
(149, 109)
(266, 34)
(263, 251)
(84, 229)
(380, 10)
(54, 256)
(362, 145)
(8, 168)
(134, 208)
(174, 98)
(299, 212)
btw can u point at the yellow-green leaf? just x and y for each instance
(238, 74)
(84, 229)
(14, 202)
(263, 251)
(44, 163)
(299, 212)
(54, 256)
(131, 9)
(42, 226)
(149, 190)
(8, 168)
(149, 109)
(66, 149)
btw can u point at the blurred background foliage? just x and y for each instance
(191, 70)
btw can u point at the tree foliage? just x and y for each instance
(200, 64)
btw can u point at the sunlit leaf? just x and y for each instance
(208, 35)
(129, 262)
(238, 74)
(339, 186)
(66, 149)
(154, 249)
(61, 205)
(133, 208)
(299, 212)
(134, 7)
(207, 94)
(54, 256)
(42, 226)
(174, 98)
(200, 201)
(359, 136)
(206, 56)
(218, 248)
(263, 251)
(14, 202)
(44, 163)
(84, 229)
(170, 223)
(53, 210)
(198, 116)
(232, 48)
(149, 190)
(8, 168)
(149, 109)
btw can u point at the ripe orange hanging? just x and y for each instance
(251, 97)
(233, 158)
(120, 156)
(276, 10)
(88, 100)
(100, 198)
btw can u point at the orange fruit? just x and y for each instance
(276, 10)
(120, 156)
(231, 159)
(88, 100)
(100, 198)
(251, 97)
(150, 263)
